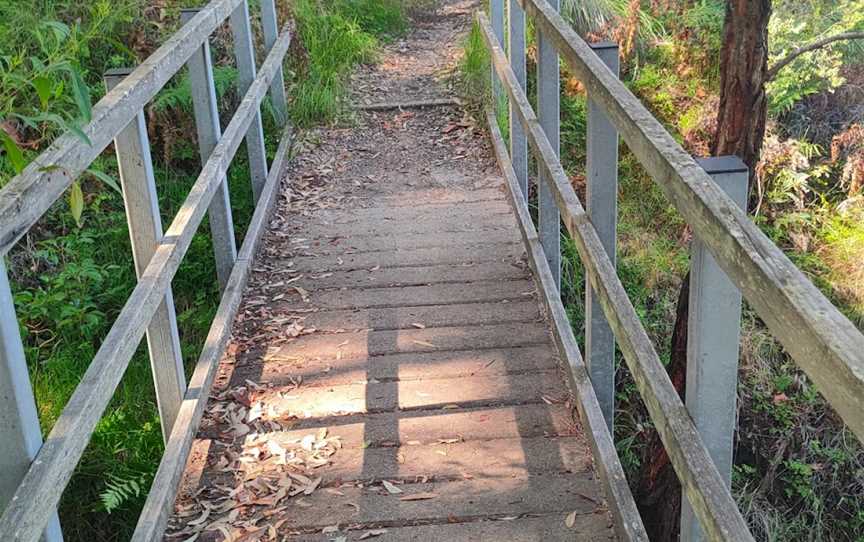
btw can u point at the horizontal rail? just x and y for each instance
(823, 342)
(42, 486)
(160, 501)
(705, 489)
(628, 523)
(28, 195)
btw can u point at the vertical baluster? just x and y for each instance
(518, 143)
(20, 435)
(145, 230)
(496, 15)
(714, 324)
(206, 110)
(270, 25)
(548, 113)
(602, 207)
(245, 55)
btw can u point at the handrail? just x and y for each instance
(701, 481)
(821, 340)
(41, 488)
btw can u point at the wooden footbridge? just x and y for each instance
(390, 357)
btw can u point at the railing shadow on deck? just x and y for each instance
(32, 489)
(731, 254)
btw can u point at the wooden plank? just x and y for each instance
(408, 296)
(43, 484)
(244, 52)
(483, 497)
(206, 111)
(270, 28)
(402, 276)
(524, 529)
(628, 523)
(28, 195)
(823, 342)
(459, 255)
(160, 500)
(140, 200)
(428, 316)
(516, 51)
(362, 344)
(549, 116)
(429, 223)
(377, 243)
(423, 394)
(19, 420)
(700, 480)
(423, 427)
(317, 371)
(469, 457)
(601, 194)
(473, 212)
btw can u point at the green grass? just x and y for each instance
(336, 36)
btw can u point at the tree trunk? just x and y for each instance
(740, 131)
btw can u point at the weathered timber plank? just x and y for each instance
(424, 224)
(400, 276)
(400, 296)
(376, 243)
(28, 195)
(431, 426)
(160, 500)
(476, 212)
(459, 255)
(432, 196)
(428, 393)
(317, 371)
(822, 341)
(524, 529)
(484, 497)
(362, 344)
(628, 523)
(42, 486)
(496, 458)
(428, 316)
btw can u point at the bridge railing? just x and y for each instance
(731, 255)
(34, 474)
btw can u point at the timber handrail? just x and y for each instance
(818, 337)
(700, 479)
(821, 340)
(38, 494)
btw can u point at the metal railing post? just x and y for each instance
(549, 115)
(245, 55)
(270, 26)
(206, 108)
(602, 206)
(496, 15)
(714, 324)
(137, 180)
(20, 434)
(516, 50)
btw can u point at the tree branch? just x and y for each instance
(818, 44)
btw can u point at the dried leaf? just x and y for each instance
(370, 534)
(570, 520)
(391, 489)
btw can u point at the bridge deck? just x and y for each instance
(390, 368)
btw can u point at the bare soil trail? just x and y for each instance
(391, 376)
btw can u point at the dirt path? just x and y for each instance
(391, 375)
